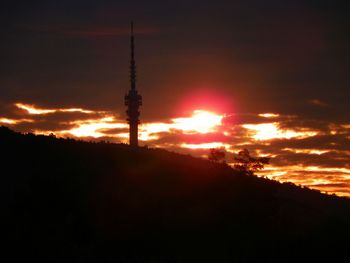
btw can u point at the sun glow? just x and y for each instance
(268, 131)
(201, 121)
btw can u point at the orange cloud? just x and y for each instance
(307, 151)
(206, 145)
(269, 115)
(31, 109)
(268, 131)
(13, 121)
(325, 179)
(94, 127)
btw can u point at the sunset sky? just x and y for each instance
(270, 76)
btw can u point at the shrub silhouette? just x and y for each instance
(217, 155)
(248, 164)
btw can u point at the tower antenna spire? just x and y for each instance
(132, 59)
(132, 28)
(133, 100)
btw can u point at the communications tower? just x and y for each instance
(133, 100)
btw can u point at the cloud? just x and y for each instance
(318, 102)
(31, 109)
(336, 180)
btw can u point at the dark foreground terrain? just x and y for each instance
(64, 200)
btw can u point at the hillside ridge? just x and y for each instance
(64, 198)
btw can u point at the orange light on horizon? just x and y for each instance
(318, 177)
(200, 122)
(201, 130)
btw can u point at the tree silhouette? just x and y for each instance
(244, 162)
(217, 155)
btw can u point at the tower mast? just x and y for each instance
(133, 100)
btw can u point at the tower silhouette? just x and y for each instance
(133, 100)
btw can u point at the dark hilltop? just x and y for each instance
(66, 200)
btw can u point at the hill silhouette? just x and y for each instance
(68, 200)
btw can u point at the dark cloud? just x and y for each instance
(335, 159)
(318, 102)
(338, 142)
(258, 54)
(94, 32)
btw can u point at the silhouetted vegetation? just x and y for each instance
(66, 200)
(217, 155)
(246, 163)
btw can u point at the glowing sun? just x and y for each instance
(201, 121)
